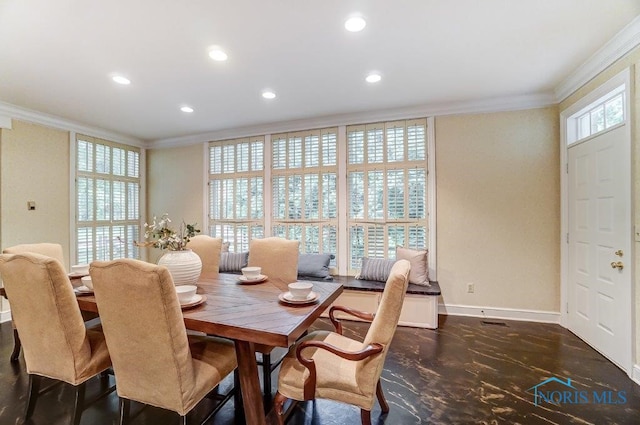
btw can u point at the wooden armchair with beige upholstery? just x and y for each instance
(278, 259)
(55, 341)
(208, 249)
(329, 365)
(52, 250)
(154, 360)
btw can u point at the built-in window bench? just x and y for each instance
(420, 307)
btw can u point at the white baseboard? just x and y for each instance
(500, 313)
(635, 374)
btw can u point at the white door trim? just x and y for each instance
(623, 77)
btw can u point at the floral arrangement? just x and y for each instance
(164, 237)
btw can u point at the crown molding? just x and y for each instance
(622, 43)
(24, 114)
(468, 107)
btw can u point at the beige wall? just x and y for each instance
(175, 185)
(34, 167)
(631, 61)
(498, 209)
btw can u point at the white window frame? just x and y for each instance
(130, 250)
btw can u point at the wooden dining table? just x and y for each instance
(249, 314)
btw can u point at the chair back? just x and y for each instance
(384, 324)
(144, 329)
(47, 317)
(209, 250)
(278, 258)
(53, 250)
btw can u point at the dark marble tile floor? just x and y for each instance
(466, 372)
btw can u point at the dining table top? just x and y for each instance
(248, 311)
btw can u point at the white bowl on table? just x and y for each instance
(300, 290)
(186, 293)
(252, 273)
(86, 281)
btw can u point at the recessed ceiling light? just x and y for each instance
(373, 78)
(268, 94)
(217, 54)
(355, 24)
(186, 109)
(121, 80)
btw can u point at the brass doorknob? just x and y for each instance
(617, 265)
(619, 253)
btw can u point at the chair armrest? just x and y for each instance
(310, 382)
(356, 313)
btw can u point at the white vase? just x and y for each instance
(185, 266)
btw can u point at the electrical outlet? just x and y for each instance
(471, 288)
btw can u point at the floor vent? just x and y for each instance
(492, 323)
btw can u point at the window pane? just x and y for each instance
(376, 242)
(356, 195)
(85, 156)
(227, 198)
(312, 239)
(584, 126)
(133, 201)
(243, 157)
(395, 144)
(329, 149)
(417, 193)
(279, 154)
(356, 245)
(215, 159)
(133, 164)
(215, 198)
(242, 203)
(311, 196)
(257, 156)
(329, 196)
(119, 162)
(256, 195)
(84, 248)
(103, 243)
(119, 235)
(103, 200)
(395, 190)
(355, 144)
(375, 146)
(119, 201)
(417, 237)
(279, 195)
(330, 241)
(295, 197)
(614, 111)
(375, 195)
(229, 159)
(396, 238)
(295, 152)
(311, 151)
(103, 159)
(416, 143)
(84, 193)
(597, 119)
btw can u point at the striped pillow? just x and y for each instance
(375, 269)
(233, 261)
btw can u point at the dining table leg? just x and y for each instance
(250, 383)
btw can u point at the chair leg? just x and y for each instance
(365, 417)
(279, 407)
(34, 390)
(266, 379)
(79, 404)
(380, 394)
(17, 345)
(125, 408)
(183, 420)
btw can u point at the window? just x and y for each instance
(599, 116)
(236, 191)
(304, 189)
(354, 193)
(387, 189)
(107, 200)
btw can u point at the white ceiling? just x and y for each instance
(56, 57)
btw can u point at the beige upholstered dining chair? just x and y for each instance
(278, 259)
(54, 338)
(329, 365)
(52, 250)
(208, 249)
(154, 360)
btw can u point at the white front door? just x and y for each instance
(599, 249)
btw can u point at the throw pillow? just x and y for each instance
(375, 269)
(419, 273)
(233, 261)
(314, 265)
